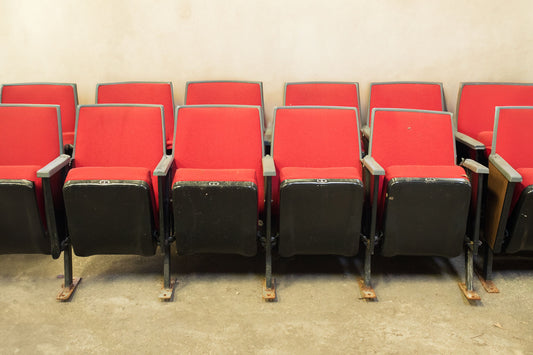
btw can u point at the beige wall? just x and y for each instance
(90, 41)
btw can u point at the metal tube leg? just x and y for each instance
(365, 285)
(269, 289)
(70, 283)
(166, 266)
(469, 268)
(67, 264)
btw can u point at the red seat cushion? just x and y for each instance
(320, 173)
(425, 171)
(245, 175)
(115, 173)
(485, 137)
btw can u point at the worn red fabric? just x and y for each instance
(29, 135)
(419, 96)
(220, 137)
(116, 173)
(152, 93)
(477, 103)
(63, 95)
(185, 174)
(320, 173)
(224, 93)
(322, 94)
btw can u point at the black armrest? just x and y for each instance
(164, 165)
(269, 168)
(469, 141)
(373, 167)
(54, 166)
(507, 170)
(474, 166)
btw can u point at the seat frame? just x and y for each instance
(475, 171)
(500, 187)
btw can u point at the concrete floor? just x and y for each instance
(218, 307)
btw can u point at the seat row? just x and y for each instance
(123, 195)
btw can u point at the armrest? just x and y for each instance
(164, 165)
(507, 170)
(373, 167)
(54, 166)
(366, 131)
(269, 169)
(469, 141)
(474, 166)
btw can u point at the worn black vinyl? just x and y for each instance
(520, 225)
(319, 216)
(110, 217)
(21, 226)
(425, 216)
(215, 217)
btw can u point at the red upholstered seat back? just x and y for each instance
(64, 95)
(152, 93)
(119, 136)
(224, 93)
(412, 137)
(220, 137)
(513, 129)
(322, 94)
(408, 95)
(29, 134)
(477, 103)
(316, 137)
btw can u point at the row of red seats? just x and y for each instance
(475, 109)
(214, 178)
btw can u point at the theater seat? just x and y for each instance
(111, 194)
(218, 189)
(64, 95)
(30, 141)
(475, 114)
(141, 92)
(320, 186)
(426, 200)
(509, 188)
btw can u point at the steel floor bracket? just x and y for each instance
(167, 294)
(488, 285)
(269, 294)
(66, 292)
(470, 295)
(367, 292)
